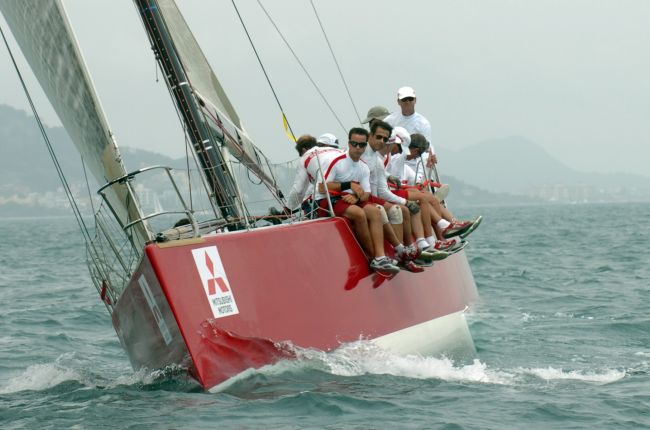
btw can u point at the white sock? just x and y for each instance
(422, 243)
(443, 224)
(431, 239)
(400, 249)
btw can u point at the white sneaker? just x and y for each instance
(384, 265)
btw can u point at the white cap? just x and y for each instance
(405, 92)
(400, 136)
(328, 139)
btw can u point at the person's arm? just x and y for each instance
(425, 130)
(360, 192)
(385, 193)
(355, 187)
(298, 189)
(433, 159)
(364, 182)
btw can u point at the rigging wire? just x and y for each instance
(345, 84)
(304, 69)
(259, 60)
(57, 165)
(90, 195)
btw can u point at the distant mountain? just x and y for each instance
(519, 166)
(496, 172)
(29, 184)
(25, 162)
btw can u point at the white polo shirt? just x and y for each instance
(415, 123)
(378, 184)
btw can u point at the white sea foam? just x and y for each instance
(606, 376)
(67, 367)
(364, 357)
(39, 377)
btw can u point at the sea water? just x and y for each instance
(562, 331)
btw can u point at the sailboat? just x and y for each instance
(201, 279)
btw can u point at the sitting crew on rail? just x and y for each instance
(348, 182)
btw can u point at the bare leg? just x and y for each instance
(389, 234)
(443, 211)
(430, 206)
(397, 229)
(376, 229)
(417, 226)
(358, 217)
(408, 225)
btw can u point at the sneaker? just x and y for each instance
(411, 267)
(442, 245)
(442, 192)
(475, 223)
(456, 228)
(412, 252)
(383, 265)
(434, 255)
(458, 246)
(423, 263)
(402, 256)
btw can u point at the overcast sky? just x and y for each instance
(571, 75)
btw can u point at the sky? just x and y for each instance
(570, 75)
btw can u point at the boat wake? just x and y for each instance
(354, 359)
(365, 358)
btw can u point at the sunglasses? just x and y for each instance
(408, 99)
(382, 138)
(358, 144)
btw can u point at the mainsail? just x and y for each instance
(217, 109)
(42, 30)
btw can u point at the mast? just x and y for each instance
(206, 139)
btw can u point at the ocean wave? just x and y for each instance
(68, 368)
(39, 377)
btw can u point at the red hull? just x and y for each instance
(306, 283)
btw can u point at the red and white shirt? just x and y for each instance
(311, 163)
(344, 169)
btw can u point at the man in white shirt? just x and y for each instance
(408, 118)
(379, 146)
(316, 156)
(348, 180)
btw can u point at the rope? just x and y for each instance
(345, 84)
(277, 100)
(304, 69)
(59, 171)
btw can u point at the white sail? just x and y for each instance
(205, 85)
(198, 70)
(42, 30)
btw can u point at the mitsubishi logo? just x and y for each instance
(214, 281)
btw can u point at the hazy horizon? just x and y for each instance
(570, 76)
